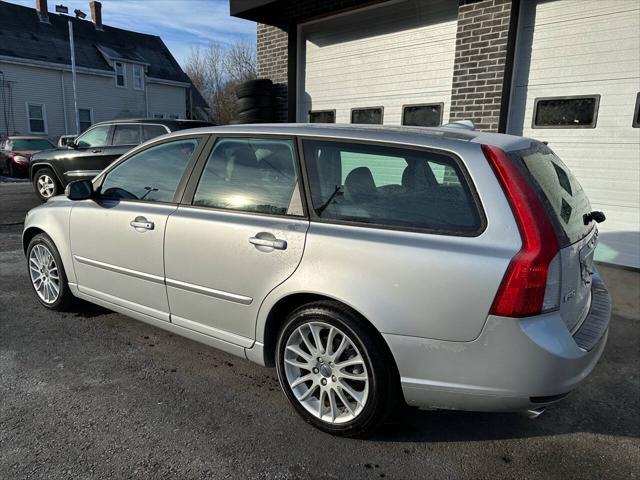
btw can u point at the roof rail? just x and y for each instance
(467, 124)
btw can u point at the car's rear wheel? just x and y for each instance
(334, 370)
(45, 184)
(47, 274)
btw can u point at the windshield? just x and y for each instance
(561, 193)
(31, 144)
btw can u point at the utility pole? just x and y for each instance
(73, 77)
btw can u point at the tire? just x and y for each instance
(252, 88)
(257, 115)
(327, 400)
(11, 171)
(44, 263)
(249, 103)
(45, 184)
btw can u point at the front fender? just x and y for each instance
(52, 218)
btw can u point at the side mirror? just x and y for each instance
(67, 141)
(79, 190)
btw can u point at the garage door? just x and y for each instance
(377, 61)
(576, 84)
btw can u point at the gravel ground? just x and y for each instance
(93, 394)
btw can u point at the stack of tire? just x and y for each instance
(255, 102)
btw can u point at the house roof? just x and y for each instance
(23, 35)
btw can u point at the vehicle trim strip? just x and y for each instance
(122, 270)
(82, 173)
(232, 297)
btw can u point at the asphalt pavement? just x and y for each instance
(93, 394)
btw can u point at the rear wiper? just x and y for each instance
(322, 207)
(599, 217)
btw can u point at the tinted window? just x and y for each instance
(126, 135)
(31, 144)
(422, 115)
(636, 113)
(367, 115)
(389, 186)
(152, 174)
(566, 112)
(152, 131)
(96, 137)
(248, 174)
(322, 116)
(565, 200)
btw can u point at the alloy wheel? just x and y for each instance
(46, 185)
(44, 273)
(326, 372)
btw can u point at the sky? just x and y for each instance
(182, 24)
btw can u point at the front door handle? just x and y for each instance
(96, 151)
(141, 223)
(276, 243)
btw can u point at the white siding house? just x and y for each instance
(120, 74)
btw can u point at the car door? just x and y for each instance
(117, 237)
(239, 233)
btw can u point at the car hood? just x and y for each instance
(24, 153)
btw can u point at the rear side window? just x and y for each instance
(422, 115)
(152, 131)
(566, 112)
(390, 187)
(367, 115)
(250, 175)
(126, 135)
(561, 193)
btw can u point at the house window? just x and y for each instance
(138, 77)
(322, 116)
(566, 112)
(37, 118)
(85, 116)
(372, 115)
(426, 115)
(636, 113)
(121, 77)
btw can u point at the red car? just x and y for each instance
(15, 153)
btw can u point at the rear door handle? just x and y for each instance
(276, 243)
(141, 223)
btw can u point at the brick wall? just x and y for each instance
(272, 49)
(479, 68)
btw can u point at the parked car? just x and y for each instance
(15, 152)
(94, 149)
(442, 267)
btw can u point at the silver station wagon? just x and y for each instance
(440, 267)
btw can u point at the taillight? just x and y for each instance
(522, 291)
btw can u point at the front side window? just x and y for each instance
(422, 115)
(121, 79)
(566, 112)
(250, 175)
(36, 118)
(389, 186)
(152, 174)
(138, 77)
(85, 118)
(96, 137)
(367, 115)
(322, 116)
(126, 135)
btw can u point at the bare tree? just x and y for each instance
(217, 70)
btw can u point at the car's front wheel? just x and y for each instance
(45, 184)
(334, 370)
(47, 274)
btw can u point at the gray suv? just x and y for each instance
(441, 267)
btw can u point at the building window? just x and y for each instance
(425, 115)
(85, 116)
(37, 118)
(121, 74)
(138, 77)
(636, 113)
(372, 115)
(322, 116)
(566, 112)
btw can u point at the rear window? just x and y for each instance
(390, 187)
(562, 194)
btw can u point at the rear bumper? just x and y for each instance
(515, 364)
